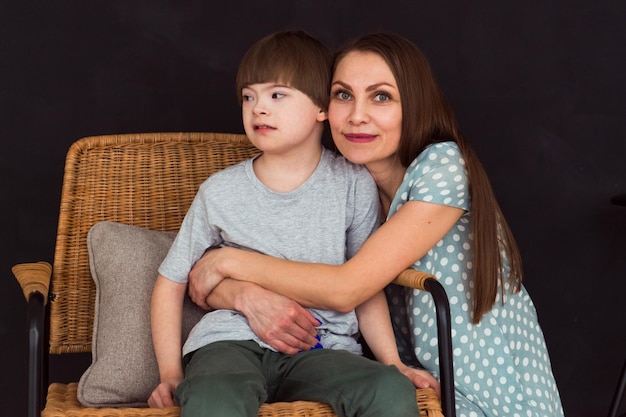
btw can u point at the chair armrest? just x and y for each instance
(34, 277)
(427, 282)
(413, 278)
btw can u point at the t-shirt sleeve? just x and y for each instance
(439, 176)
(194, 237)
(365, 212)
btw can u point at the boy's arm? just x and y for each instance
(375, 326)
(166, 321)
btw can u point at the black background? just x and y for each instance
(538, 87)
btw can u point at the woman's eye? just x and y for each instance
(382, 97)
(342, 95)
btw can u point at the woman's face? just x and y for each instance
(365, 111)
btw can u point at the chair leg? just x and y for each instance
(619, 393)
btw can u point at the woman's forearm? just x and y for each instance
(395, 246)
(310, 284)
(228, 295)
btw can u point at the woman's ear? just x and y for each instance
(322, 115)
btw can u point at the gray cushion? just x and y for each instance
(124, 261)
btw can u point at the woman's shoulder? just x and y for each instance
(438, 175)
(446, 151)
(438, 154)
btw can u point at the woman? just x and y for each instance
(387, 112)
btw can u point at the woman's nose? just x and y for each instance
(358, 113)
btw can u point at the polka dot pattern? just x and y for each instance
(501, 365)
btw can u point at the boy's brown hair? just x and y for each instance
(291, 57)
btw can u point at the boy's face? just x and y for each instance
(279, 118)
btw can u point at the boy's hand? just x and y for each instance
(421, 378)
(163, 395)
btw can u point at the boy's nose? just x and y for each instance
(260, 110)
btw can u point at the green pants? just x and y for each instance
(233, 378)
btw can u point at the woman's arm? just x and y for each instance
(278, 321)
(396, 245)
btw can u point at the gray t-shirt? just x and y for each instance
(325, 220)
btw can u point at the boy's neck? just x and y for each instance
(285, 172)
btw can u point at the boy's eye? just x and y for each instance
(382, 97)
(278, 95)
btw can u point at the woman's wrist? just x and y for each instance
(245, 292)
(226, 262)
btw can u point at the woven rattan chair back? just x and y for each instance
(147, 180)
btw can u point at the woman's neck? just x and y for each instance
(388, 178)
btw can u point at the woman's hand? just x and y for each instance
(421, 378)
(278, 321)
(204, 277)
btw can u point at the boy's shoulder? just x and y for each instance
(339, 169)
(337, 161)
(229, 174)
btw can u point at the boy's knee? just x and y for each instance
(389, 378)
(393, 394)
(224, 395)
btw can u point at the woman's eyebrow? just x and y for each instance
(369, 88)
(378, 85)
(341, 83)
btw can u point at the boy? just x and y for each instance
(295, 200)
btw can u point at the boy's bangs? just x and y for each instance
(269, 68)
(291, 58)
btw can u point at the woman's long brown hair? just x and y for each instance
(426, 119)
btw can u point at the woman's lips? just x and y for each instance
(359, 137)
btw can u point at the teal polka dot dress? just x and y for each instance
(501, 365)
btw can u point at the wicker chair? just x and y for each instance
(146, 180)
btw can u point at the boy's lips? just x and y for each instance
(359, 137)
(263, 127)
